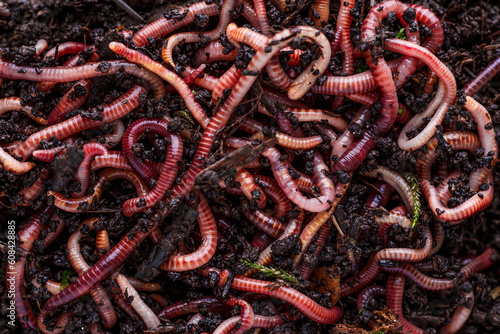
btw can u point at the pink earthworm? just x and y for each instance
(113, 159)
(75, 204)
(102, 244)
(213, 52)
(407, 254)
(249, 188)
(306, 269)
(98, 294)
(282, 205)
(168, 173)
(430, 82)
(204, 253)
(15, 104)
(306, 305)
(194, 37)
(461, 314)
(150, 319)
(226, 81)
(64, 49)
(473, 86)
(394, 299)
(320, 12)
(264, 222)
(70, 101)
(212, 304)
(82, 176)
(10, 164)
(111, 111)
(31, 193)
(246, 320)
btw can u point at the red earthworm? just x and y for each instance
(430, 82)
(320, 12)
(260, 10)
(293, 227)
(408, 64)
(407, 254)
(163, 25)
(394, 218)
(281, 98)
(60, 326)
(73, 204)
(354, 155)
(306, 269)
(31, 193)
(461, 314)
(307, 306)
(309, 232)
(82, 176)
(288, 127)
(264, 222)
(143, 286)
(368, 292)
(78, 263)
(115, 137)
(168, 172)
(150, 319)
(64, 49)
(47, 155)
(131, 137)
(70, 101)
(283, 139)
(394, 300)
(249, 188)
(169, 76)
(111, 111)
(91, 70)
(194, 321)
(51, 236)
(213, 52)
(15, 104)
(444, 74)
(10, 164)
(282, 205)
(405, 116)
(473, 86)
(102, 244)
(260, 321)
(53, 287)
(191, 77)
(226, 81)
(194, 37)
(208, 230)
(207, 82)
(365, 277)
(326, 131)
(304, 182)
(281, 5)
(246, 320)
(289, 187)
(259, 60)
(482, 262)
(261, 240)
(124, 304)
(213, 304)
(162, 301)
(112, 159)
(379, 195)
(438, 237)
(94, 328)
(10, 146)
(28, 233)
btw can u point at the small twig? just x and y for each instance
(123, 5)
(337, 226)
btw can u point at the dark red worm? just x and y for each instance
(69, 102)
(473, 86)
(246, 318)
(212, 304)
(394, 292)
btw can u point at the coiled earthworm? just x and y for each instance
(110, 112)
(91, 70)
(473, 86)
(15, 104)
(394, 292)
(208, 230)
(306, 305)
(61, 323)
(77, 205)
(369, 292)
(407, 254)
(70, 101)
(150, 319)
(246, 318)
(98, 294)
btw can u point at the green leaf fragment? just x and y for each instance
(276, 273)
(65, 276)
(401, 34)
(415, 188)
(400, 111)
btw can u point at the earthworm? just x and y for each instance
(473, 86)
(264, 222)
(70, 101)
(261, 240)
(194, 37)
(15, 104)
(113, 159)
(307, 306)
(111, 111)
(282, 205)
(320, 12)
(61, 323)
(289, 187)
(250, 189)
(76, 205)
(482, 262)
(379, 196)
(246, 318)
(226, 81)
(438, 238)
(82, 176)
(307, 269)
(78, 263)
(150, 319)
(204, 253)
(64, 49)
(213, 52)
(368, 292)
(393, 218)
(213, 304)
(52, 235)
(461, 314)
(10, 164)
(31, 193)
(365, 277)
(430, 82)
(162, 301)
(112, 138)
(354, 155)
(102, 244)
(394, 292)
(91, 70)
(407, 254)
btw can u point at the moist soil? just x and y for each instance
(472, 41)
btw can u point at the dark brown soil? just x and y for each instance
(472, 41)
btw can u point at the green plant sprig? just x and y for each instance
(276, 273)
(401, 34)
(65, 276)
(415, 188)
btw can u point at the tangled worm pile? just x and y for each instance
(244, 145)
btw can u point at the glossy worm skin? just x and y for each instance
(407, 254)
(306, 305)
(344, 21)
(365, 277)
(15, 104)
(249, 188)
(212, 304)
(82, 176)
(461, 314)
(31, 193)
(320, 12)
(264, 222)
(91, 70)
(113, 159)
(10, 164)
(64, 49)
(394, 300)
(69, 102)
(246, 318)
(307, 269)
(482, 78)
(78, 263)
(150, 319)
(204, 253)
(194, 37)
(213, 52)
(111, 111)
(74, 205)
